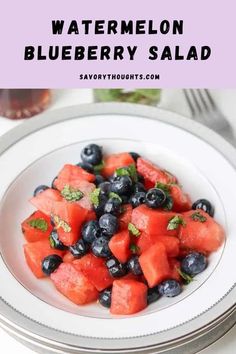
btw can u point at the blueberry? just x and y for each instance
(92, 154)
(55, 242)
(91, 231)
(137, 199)
(115, 268)
(40, 189)
(125, 199)
(100, 247)
(86, 166)
(153, 295)
(79, 249)
(109, 224)
(169, 288)
(111, 178)
(105, 188)
(98, 180)
(113, 206)
(134, 266)
(140, 178)
(204, 205)
(134, 155)
(122, 185)
(139, 187)
(194, 263)
(155, 198)
(105, 298)
(99, 209)
(52, 184)
(51, 263)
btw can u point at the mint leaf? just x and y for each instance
(133, 229)
(71, 194)
(39, 224)
(187, 278)
(198, 217)
(168, 205)
(164, 187)
(175, 222)
(134, 248)
(94, 197)
(97, 168)
(114, 195)
(61, 223)
(128, 171)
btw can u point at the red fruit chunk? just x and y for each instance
(125, 217)
(174, 266)
(73, 284)
(68, 257)
(171, 243)
(71, 175)
(153, 173)
(45, 200)
(115, 161)
(33, 234)
(153, 222)
(72, 216)
(120, 246)
(154, 264)
(91, 215)
(206, 236)
(128, 297)
(182, 201)
(35, 253)
(95, 270)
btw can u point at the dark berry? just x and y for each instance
(55, 242)
(116, 269)
(113, 206)
(155, 198)
(125, 199)
(100, 247)
(52, 184)
(140, 178)
(109, 224)
(105, 188)
(86, 166)
(91, 231)
(79, 249)
(98, 180)
(51, 263)
(92, 154)
(105, 298)
(139, 187)
(137, 199)
(134, 155)
(40, 189)
(204, 205)
(99, 209)
(134, 266)
(194, 263)
(169, 288)
(153, 295)
(122, 185)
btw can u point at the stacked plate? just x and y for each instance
(34, 312)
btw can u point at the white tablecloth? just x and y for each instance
(172, 100)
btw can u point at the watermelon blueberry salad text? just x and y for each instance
(119, 230)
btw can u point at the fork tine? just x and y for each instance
(189, 101)
(210, 99)
(199, 101)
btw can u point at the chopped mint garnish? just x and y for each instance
(168, 205)
(134, 248)
(97, 168)
(71, 194)
(187, 278)
(133, 229)
(114, 195)
(128, 171)
(94, 197)
(198, 217)
(164, 187)
(175, 222)
(39, 224)
(61, 223)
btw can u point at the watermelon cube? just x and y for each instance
(36, 227)
(115, 161)
(45, 200)
(120, 246)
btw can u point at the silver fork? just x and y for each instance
(204, 110)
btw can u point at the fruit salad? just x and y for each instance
(119, 230)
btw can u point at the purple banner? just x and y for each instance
(128, 44)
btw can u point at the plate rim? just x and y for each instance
(79, 111)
